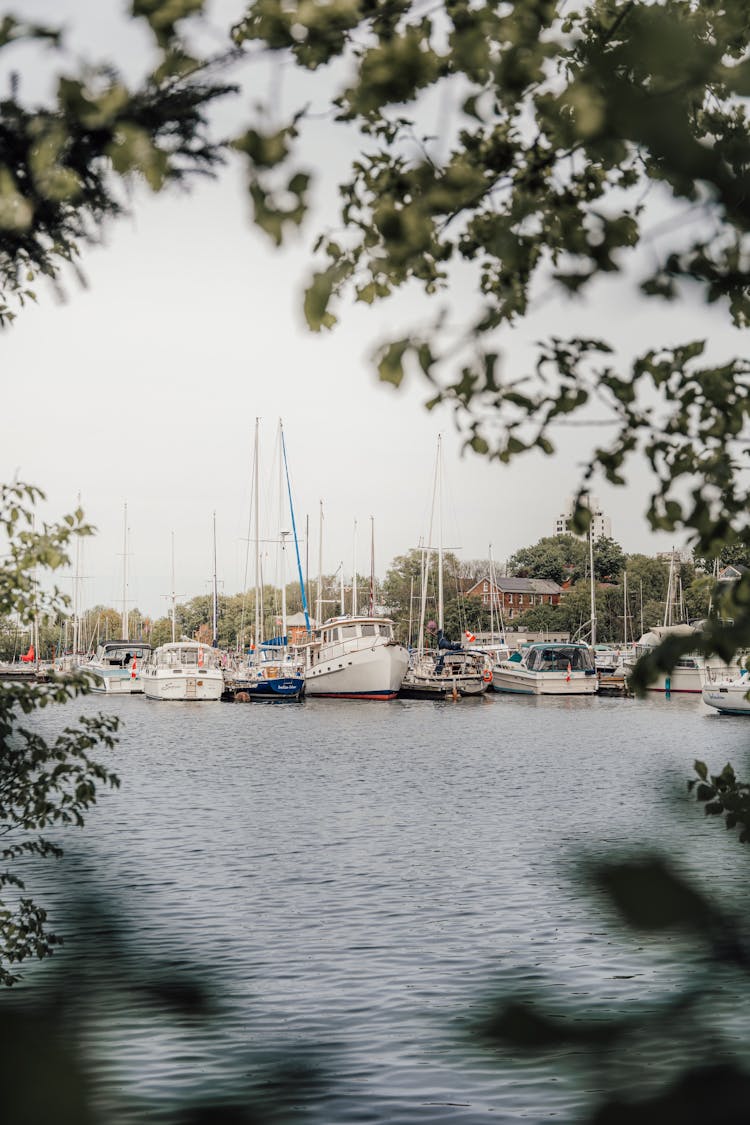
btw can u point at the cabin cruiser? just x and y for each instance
(116, 668)
(548, 668)
(355, 658)
(183, 670)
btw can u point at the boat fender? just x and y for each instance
(487, 675)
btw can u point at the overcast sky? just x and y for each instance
(144, 387)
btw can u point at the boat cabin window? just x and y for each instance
(349, 631)
(368, 630)
(557, 659)
(385, 631)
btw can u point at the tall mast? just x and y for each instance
(593, 583)
(77, 594)
(319, 599)
(411, 608)
(343, 606)
(282, 536)
(492, 598)
(257, 543)
(354, 572)
(372, 568)
(174, 599)
(215, 600)
(303, 593)
(439, 486)
(670, 593)
(625, 607)
(125, 633)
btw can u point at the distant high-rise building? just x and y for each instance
(601, 525)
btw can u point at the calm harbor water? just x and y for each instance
(357, 879)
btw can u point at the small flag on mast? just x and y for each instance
(469, 636)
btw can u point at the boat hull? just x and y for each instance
(205, 688)
(108, 683)
(524, 682)
(269, 689)
(729, 697)
(365, 673)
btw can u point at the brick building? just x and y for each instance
(513, 596)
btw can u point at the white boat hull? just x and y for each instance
(207, 685)
(728, 696)
(114, 683)
(522, 681)
(683, 680)
(365, 673)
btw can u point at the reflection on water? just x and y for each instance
(355, 877)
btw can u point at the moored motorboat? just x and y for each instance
(183, 670)
(547, 668)
(116, 668)
(355, 658)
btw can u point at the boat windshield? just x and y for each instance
(557, 658)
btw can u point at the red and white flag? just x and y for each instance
(469, 636)
(133, 668)
(568, 674)
(200, 657)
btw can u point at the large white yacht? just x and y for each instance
(355, 658)
(116, 668)
(689, 671)
(547, 668)
(183, 670)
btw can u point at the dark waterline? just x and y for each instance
(357, 879)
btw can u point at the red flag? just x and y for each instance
(133, 668)
(200, 657)
(28, 656)
(469, 636)
(568, 675)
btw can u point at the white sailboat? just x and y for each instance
(452, 671)
(270, 674)
(730, 695)
(688, 673)
(116, 667)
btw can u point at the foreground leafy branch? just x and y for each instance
(44, 783)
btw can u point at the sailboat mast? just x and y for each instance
(439, 486)
(319, 599)
(77, 594)
(593, 582)
(372, 569)
(343, 606)
(125, 633)
(625, 607)
(282, 536)
(215, 600)
(257, 543)
(354, 572)
(174, 599)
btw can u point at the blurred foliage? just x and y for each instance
(43, 784)
(569, 120)
(65, 166)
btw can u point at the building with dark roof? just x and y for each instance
(514, 596)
